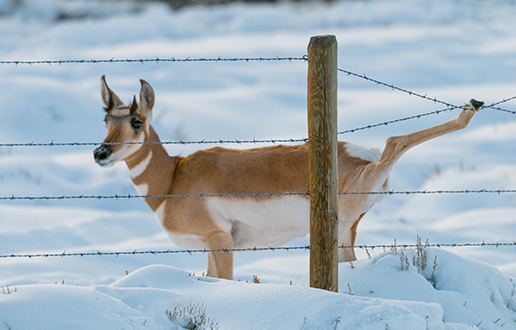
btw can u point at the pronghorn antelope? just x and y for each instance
(245, 222)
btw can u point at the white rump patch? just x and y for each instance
(141, 167)
(372, 155)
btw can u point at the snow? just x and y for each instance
(378, 295)
(452, 50)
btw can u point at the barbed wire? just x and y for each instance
(385, 123)
(450, 106)
(306, 193)
(253, 249)
(220, 141)
(502, 101)
(435, 100)
(303, 58)
(494, 105)
(158, 60)
(378, 82)
(236, 141)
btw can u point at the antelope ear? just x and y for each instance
(109, 98)
(146, 97)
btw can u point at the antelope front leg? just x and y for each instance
(396, 146)
(220, 264)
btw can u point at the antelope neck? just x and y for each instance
(151, 170)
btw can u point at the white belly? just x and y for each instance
(265, 223)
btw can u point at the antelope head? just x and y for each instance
(127, 125)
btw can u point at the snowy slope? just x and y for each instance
(452, 50)
(375, 294)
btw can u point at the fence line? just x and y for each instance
(158, 60)
(435, 100)
(303, 58)
(235, 141)
(363, 76)
(72, 144)
(220, 141)
(385, 123)
(502, 101)
(255, 249)
(450, 106)
(290, 194)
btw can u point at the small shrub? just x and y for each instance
(420, 257)
(367, 252)
(8, 290)
(404, 261)
(192, 317)
(394, 248)
(432, 278)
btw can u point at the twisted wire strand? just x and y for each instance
(72, 144)
(393, 87)
(385, 123)
(306, 193)
(424, 96)
(255, 249)
(158, 60)
(494, 105)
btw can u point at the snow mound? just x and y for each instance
(470, 292)
(393, 290)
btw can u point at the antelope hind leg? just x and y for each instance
(396, 146)
(375, 175)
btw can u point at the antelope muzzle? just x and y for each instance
(103, 154)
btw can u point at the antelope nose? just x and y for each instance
(101, 153)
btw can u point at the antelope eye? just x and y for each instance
(136, 124)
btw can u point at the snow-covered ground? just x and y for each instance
(452, 50)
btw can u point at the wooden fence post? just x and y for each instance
(322, 137)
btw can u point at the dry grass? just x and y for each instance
(192, 317)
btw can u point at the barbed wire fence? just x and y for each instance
(255, 249)
(160, 60)
(449, 107)
(306, 193)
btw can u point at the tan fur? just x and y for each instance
(278, 169)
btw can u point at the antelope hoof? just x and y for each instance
(476, 104)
